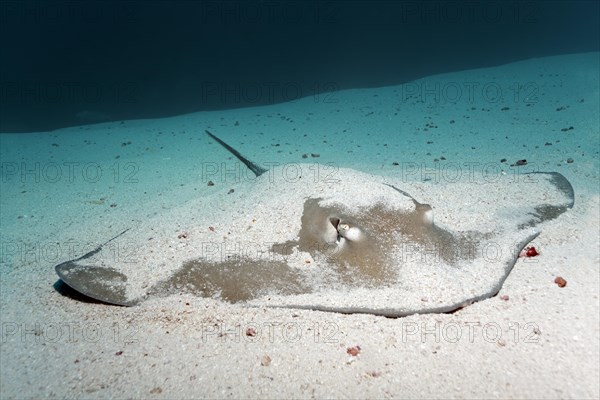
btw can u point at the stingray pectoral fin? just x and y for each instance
(103, 284)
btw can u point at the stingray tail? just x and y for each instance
(258, 171)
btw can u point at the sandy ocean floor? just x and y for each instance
(66, 191)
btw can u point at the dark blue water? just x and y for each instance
(69, 63)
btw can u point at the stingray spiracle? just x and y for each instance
(349, 232)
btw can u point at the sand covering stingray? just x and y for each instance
(329, 239)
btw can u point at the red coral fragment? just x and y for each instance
(532, 252)
(353, 351)
(560, 281)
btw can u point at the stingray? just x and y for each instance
(328, 239)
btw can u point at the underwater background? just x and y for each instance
(103, 111)
(69, 63)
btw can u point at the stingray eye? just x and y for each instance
(335, 222)
(344, 227)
